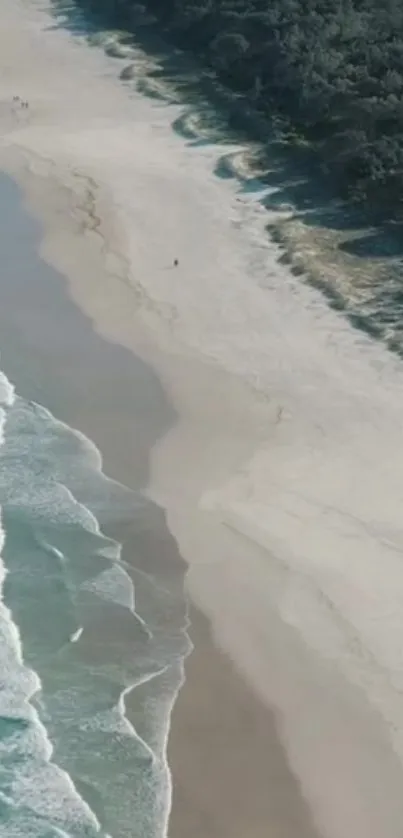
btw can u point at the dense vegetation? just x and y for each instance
(334, 68)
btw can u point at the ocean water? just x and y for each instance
(91, 642)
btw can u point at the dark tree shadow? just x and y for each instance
(282, 171)
(290, 171)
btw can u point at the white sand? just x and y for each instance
(283, 478)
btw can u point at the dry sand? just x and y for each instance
(282, 478)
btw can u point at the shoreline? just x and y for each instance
(258, 749)
(287, 428)
(54, 358)
(218, 721)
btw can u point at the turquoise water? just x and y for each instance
(92, 615)
(85, 634)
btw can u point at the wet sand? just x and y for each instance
(230, 775)
(230, 771)
(278, 464)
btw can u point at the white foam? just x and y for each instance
(165, 713)
(7, 392)
(32, 483)
(52, 549)
(115, 719)
(49, 792)
(90, 450)
(7, 398)
(37, 783)
(45, 496)
(31, 438)
(74, 638)
(121, 707)
(115, 585)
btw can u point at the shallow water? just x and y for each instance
(92, 638)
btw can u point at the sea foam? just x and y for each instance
(71, 718)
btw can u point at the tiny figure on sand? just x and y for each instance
(176, 263)
(22, 103)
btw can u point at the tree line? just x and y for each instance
(331, 68)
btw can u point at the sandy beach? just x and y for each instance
(217, 719)
(273, 436)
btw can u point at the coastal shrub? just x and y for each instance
(333, 69)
